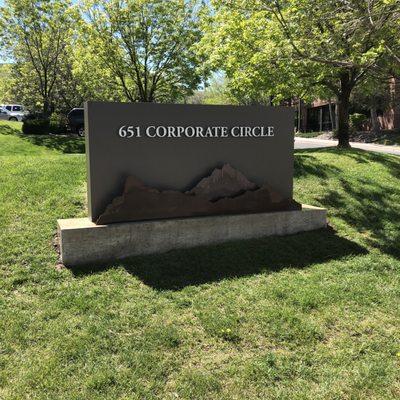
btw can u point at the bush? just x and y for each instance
(356, 121)
(38, 126)
(34, 115)
(58, 124)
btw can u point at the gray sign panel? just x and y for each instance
(186, 160)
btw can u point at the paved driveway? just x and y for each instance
(304, 143)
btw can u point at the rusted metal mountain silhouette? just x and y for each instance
(223, 182)
(225, 191)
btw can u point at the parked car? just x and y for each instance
(76, 121)
(12, 112)
(13, 107)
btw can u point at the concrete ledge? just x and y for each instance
(82, 242)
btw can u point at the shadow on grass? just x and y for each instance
(307, 164)
(177, 269)
(372, 210)
(9, 130)
(368, 203)
(391, 163)
(67, 144)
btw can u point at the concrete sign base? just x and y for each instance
(82, 242)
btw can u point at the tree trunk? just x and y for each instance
(343, 111)
(46, 107)
(374, 120)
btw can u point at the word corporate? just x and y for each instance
(153, 131)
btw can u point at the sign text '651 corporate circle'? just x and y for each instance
(153, 131)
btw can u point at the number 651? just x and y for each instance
(129, 131)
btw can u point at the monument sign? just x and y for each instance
(164, 176)
(151, 161)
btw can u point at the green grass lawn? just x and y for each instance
(13, 142)
(307, 316)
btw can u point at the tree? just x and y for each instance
(313, 47)
(392, 39)
(147, 45)
(36, 32)
(24, 84)
(214, 92)
(91, 77)
(5, 83)
(238, 42)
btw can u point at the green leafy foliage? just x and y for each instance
(272, 50)
(56, 124)
(36, 33)
(5, 83)
(146, 45)
(215, 92)
(357, 120)
(37, 126)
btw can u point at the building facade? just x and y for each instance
(320, 115)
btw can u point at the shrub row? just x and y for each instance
(39, 125)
